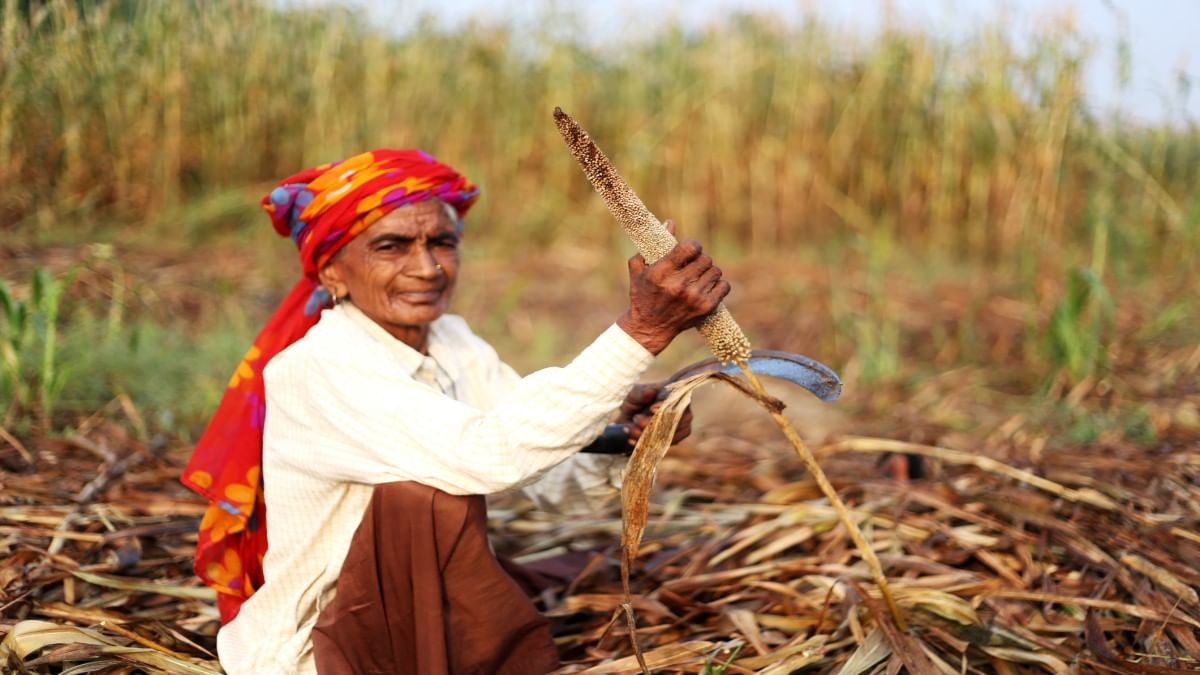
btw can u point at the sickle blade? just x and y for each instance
(798, 369)
(811, 374)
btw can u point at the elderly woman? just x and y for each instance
(368, 423)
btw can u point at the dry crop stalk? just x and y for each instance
(723, 335)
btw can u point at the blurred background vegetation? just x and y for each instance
(905, 208)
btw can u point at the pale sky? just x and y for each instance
(1163, 34)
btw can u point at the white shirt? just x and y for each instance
(349, 406)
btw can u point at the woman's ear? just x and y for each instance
(330, 277)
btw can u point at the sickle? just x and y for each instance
(811, 374)
(818, 378)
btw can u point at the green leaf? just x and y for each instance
(8, 305)
(41, 282)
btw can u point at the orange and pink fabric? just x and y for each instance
(321, 210)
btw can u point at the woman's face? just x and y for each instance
(401, 270)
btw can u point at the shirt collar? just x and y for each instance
(410, 359)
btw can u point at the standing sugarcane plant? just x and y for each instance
(728, 343)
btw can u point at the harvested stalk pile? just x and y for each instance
(1008, 557)
(96, 554)
(1092, 569)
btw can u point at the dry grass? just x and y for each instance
(102, 536)
(994, 573)
(991, 566)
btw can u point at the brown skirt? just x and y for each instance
(421, 593)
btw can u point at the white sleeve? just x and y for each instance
(583, 484)
(349, 419)
(580, 484)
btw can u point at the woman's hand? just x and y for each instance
(640, 405)
(672, 295)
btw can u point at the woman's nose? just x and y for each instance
(424, 265)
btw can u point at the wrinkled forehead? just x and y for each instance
(428, 218)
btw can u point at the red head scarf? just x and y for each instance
(321, 209)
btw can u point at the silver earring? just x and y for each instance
(438, 267)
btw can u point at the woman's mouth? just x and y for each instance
(420, 297)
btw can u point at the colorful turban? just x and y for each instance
(321, 209)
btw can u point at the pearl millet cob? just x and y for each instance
(724, 337)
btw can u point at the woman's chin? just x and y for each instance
(415, 314)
